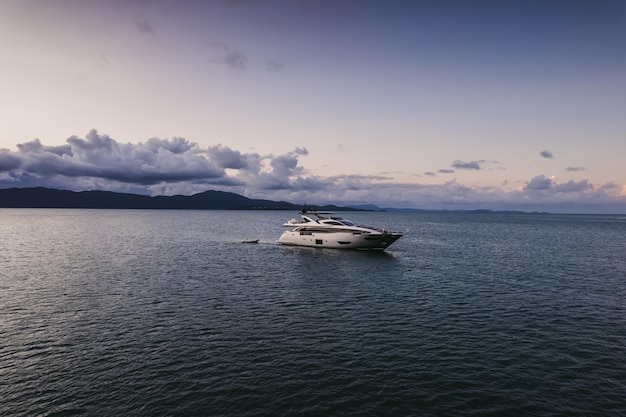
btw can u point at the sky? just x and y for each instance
(502, 105)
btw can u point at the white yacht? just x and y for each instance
(322, 230)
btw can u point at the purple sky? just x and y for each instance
(426, 104)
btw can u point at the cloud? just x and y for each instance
(274, 66)
(238, 60)
(224, 157)
(573, 187)
(175, 145)
(575, 169)
(233, 58)
(36, 146)
(98, 161)
(473, 165)
(101, 157)
(540, 182)
(610, 186)
(543, 183)
(144, 25)
(446, 171)
(178, 166)
(284, 168)
(9, 162)
(546, 154)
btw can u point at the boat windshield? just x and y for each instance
(343, 221)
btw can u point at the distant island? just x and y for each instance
(41, 197)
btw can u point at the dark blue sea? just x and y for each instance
(167, 313)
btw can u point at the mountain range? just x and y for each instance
(41, 197)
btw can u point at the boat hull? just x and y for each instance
(339, 240)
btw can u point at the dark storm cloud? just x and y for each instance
(9, 162)
(546, 154)
(224, 157)
(157, 165)
(100, 156)
(472, 165)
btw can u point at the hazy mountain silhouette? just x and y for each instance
(209, 200)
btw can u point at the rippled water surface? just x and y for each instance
(153, 313)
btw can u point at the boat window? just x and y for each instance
(332, 222)
(343, 221)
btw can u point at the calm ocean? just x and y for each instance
(167, 313)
